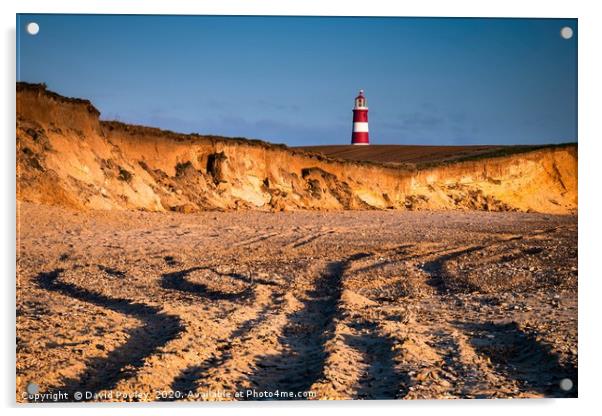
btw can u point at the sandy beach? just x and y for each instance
(134, 306)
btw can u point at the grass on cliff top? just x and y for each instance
(499, 152)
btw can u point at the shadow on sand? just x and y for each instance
(380, 381)
(177, 281)
(158, 329)
(301, 362)
(519, 356)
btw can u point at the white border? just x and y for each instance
(590, 152)
(468, 8)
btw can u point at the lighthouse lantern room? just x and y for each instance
(360, 121)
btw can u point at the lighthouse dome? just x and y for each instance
(360, 100)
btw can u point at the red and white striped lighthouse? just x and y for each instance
(360, 121)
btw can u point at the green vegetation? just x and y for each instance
(499, 152)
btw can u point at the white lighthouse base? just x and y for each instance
(360, 144)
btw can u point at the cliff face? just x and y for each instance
(66, 156)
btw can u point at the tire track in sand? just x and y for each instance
(254, 240)
(255, 305)
(432, 357)
(361, 361)
(210, 311)
(233, 354)
(300, 361)
(308, 239)
(499, 361)
(177, 280)
(157, 329)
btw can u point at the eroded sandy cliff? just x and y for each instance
(67, 156)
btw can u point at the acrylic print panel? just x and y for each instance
(295, 208)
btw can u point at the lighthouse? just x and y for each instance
(360, 120)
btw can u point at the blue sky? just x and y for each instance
(292, 80)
